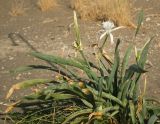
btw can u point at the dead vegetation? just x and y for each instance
(118, 11)
(45, 5)
(17, 8)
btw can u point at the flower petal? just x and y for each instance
(108, 25)
(111, 38)
(114, 29)
(104, 34)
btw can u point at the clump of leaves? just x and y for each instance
(108, 95)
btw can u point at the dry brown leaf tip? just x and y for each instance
(11, 90)
(11, 107)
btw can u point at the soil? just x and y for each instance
(51, 32)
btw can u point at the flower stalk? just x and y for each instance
(78, 43)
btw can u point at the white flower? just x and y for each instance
(109, 27)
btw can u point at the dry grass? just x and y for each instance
(118, 11)
(17, 8)
(45, 5)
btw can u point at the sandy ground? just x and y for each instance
(50, 32)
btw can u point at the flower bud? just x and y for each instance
(70, 82)
(81, 85)
(86, 91)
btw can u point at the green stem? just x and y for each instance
(104, 42)
(83, 56)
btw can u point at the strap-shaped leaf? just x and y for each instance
(155, 110)
(132, 87)
(65, 61)
(140, 20)
(113, 75)
(79, 120)
(143, 56)
(140, 117)
(126, 91)
(58, 60)
(125, 62)
(152, 119)
(88, 104)
(27, 84)
(136, 68)
(76, 114)
(132, 112)
(62, 96)
(107, 96)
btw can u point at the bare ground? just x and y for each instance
(50, 32)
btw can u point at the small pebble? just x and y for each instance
(29, 73)
(36, 36)
(148, 19)
(158, 24)
(11, 58)
(155, 92)
(18, 77)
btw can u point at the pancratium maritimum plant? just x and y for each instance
(108, 28)
(107, 92)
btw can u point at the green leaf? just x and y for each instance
(136, 68)
(100, 86)
(58, 60)
(76, 114)
(21, 69)
(27, 84)
(140, 117)
(132, 87)
(83, 62)
(30, 83)
(107, 96)
(88, 104)
(79, 120)
(112, 108)
(143, 56)
(128, 75)
(126, 91)
(122, 90)
(65, 61)
(117, 45)
(113, 75)
(140, 20)
(152, 119)
(33, 96)
(132, 112)
(114, 113)
(62, 96)
(31, 103)
(71, 89)
(155, 109)
(144, 109)
(125, 62)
